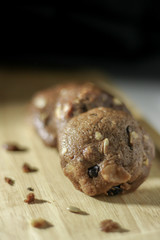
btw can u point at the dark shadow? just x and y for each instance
(120, 230)
(32, 170)
(39, 201)
(157, 153)
(82, 213)
(14, 147)
(123, 230)
(22, 149)
(47, 225)
(30, 189)
(142, 196)
(155, 169)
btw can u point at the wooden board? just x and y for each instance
(139, 212)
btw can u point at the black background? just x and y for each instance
(121, 36)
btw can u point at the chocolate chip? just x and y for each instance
(128, 129)
(114, 191)
(93, 171)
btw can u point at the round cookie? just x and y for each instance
(105, 151)
(53, 108)
(42, 108)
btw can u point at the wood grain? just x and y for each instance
(138, 212)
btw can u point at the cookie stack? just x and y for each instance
(102, 148)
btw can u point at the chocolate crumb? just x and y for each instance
(9, 181)
(30, 189)
(27, 168)
(41, 223)
(30, 198)
(110, 226)
(13, 147)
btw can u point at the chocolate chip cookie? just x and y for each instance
(105, 151)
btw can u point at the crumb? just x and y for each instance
(40, 223)
(13, 147)
(76, 210)
(30, 189)
(110, 226)
(30, 198)
(9, 181)
(27, 168)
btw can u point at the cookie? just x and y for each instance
(53, 108)
(105, 151)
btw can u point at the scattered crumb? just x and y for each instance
(30, 198)
(13, 147)
(9, 181)
(30, 189)
(40, 223)
(110, 226)
(27, 168)
(76, 210)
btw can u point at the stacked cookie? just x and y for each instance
(102, 147)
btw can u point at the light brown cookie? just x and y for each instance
(53, 108)
(105, 151)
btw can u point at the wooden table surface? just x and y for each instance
(138, 212)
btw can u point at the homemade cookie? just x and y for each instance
(53, 108)
(105, 151)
